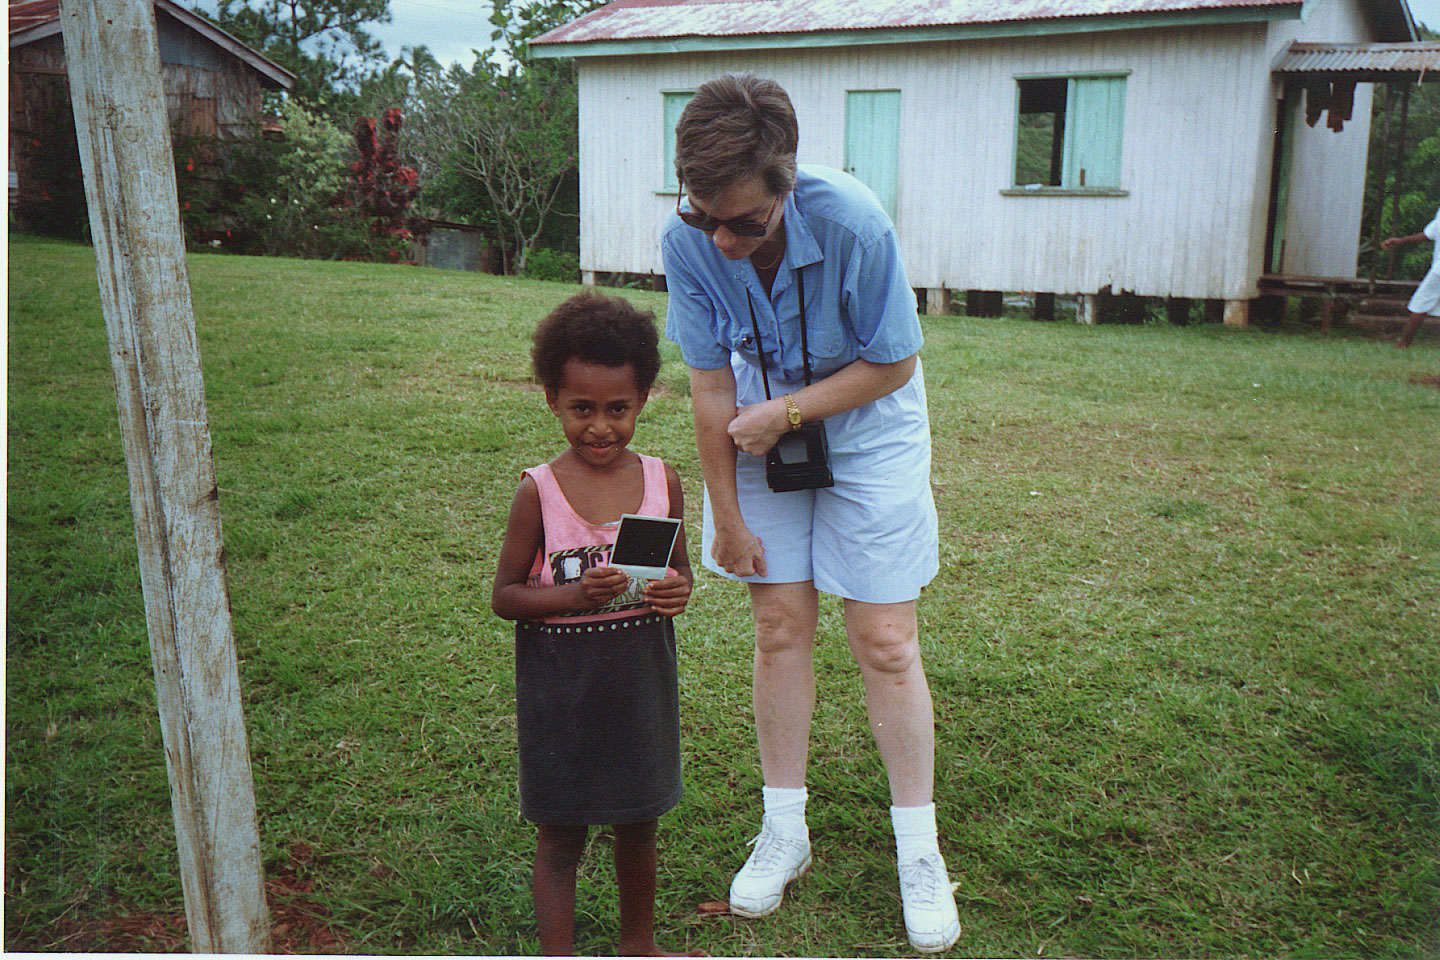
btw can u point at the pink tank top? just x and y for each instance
(573, 544)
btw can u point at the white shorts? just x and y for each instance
(873, 537)
(1427, 295)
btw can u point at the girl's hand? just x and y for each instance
(738, 551)
(600, 585)
(1390, 243)
(669, 596)
(758, 427)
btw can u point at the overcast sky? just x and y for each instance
(1424, 11)
(450, 28)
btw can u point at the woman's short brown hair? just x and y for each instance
(734, 127)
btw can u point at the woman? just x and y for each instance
(752, 234)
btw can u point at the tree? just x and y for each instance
(504, 133)
(381, 188)
(512, 134)
(517, 23)
(1412, 189)
(323, 42)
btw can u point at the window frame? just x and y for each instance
(669, 183)
(1067, 189)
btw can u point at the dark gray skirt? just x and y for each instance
(597, 706)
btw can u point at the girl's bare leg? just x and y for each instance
(1412, 326)
(635, 876)
(557, 854)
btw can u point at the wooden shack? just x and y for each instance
(1031, 145)
(214, 84)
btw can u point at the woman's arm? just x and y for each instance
(712, 394)
(756, 428)
(512, 599)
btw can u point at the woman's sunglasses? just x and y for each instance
(741, 228)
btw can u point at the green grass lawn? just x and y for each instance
(1183, 645)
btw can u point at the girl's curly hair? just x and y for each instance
(598, 329)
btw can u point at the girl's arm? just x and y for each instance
(1390, 243)
(512, 599)
(670, 595)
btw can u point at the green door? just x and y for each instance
(872, 142)
(1280, 180)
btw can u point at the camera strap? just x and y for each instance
(804, 333)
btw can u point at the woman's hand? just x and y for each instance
(669, 596)
(758, 427)
(600, 585)
(738, 551)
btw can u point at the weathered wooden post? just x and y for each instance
(114, 66)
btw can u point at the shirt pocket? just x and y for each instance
(826, 331)
(827, 339)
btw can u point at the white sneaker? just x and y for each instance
(931, 920)
(776, 860)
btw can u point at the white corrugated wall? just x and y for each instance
(1327, 169)
(1196, 157)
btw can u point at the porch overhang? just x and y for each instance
(1363, 62)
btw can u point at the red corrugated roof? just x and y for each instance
(658, 19)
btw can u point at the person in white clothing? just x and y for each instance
(1426, 301)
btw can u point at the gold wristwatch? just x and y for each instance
(792, 411)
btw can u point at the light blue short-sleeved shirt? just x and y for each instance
(858, 305)
(858, 300)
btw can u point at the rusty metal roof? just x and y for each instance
(1396, 59)
(659, 19)
(23, 16)
(33, 20)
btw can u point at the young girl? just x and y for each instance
(597, 703)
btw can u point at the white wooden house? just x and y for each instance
(1054, 146)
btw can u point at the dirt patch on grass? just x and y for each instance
(298, 925)
(1426, 382)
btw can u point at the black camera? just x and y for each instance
(800, 460)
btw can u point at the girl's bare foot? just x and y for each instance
(652, 950)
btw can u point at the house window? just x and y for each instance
(1068, 132)
(674, 105)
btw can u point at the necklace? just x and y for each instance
(773, 263)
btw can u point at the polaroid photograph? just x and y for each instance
(644, 544)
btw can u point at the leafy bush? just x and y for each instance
(54, 205)
(274, 193)
(560, 265)
(381, 188)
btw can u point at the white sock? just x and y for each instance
(915, 832)
(785, 808)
